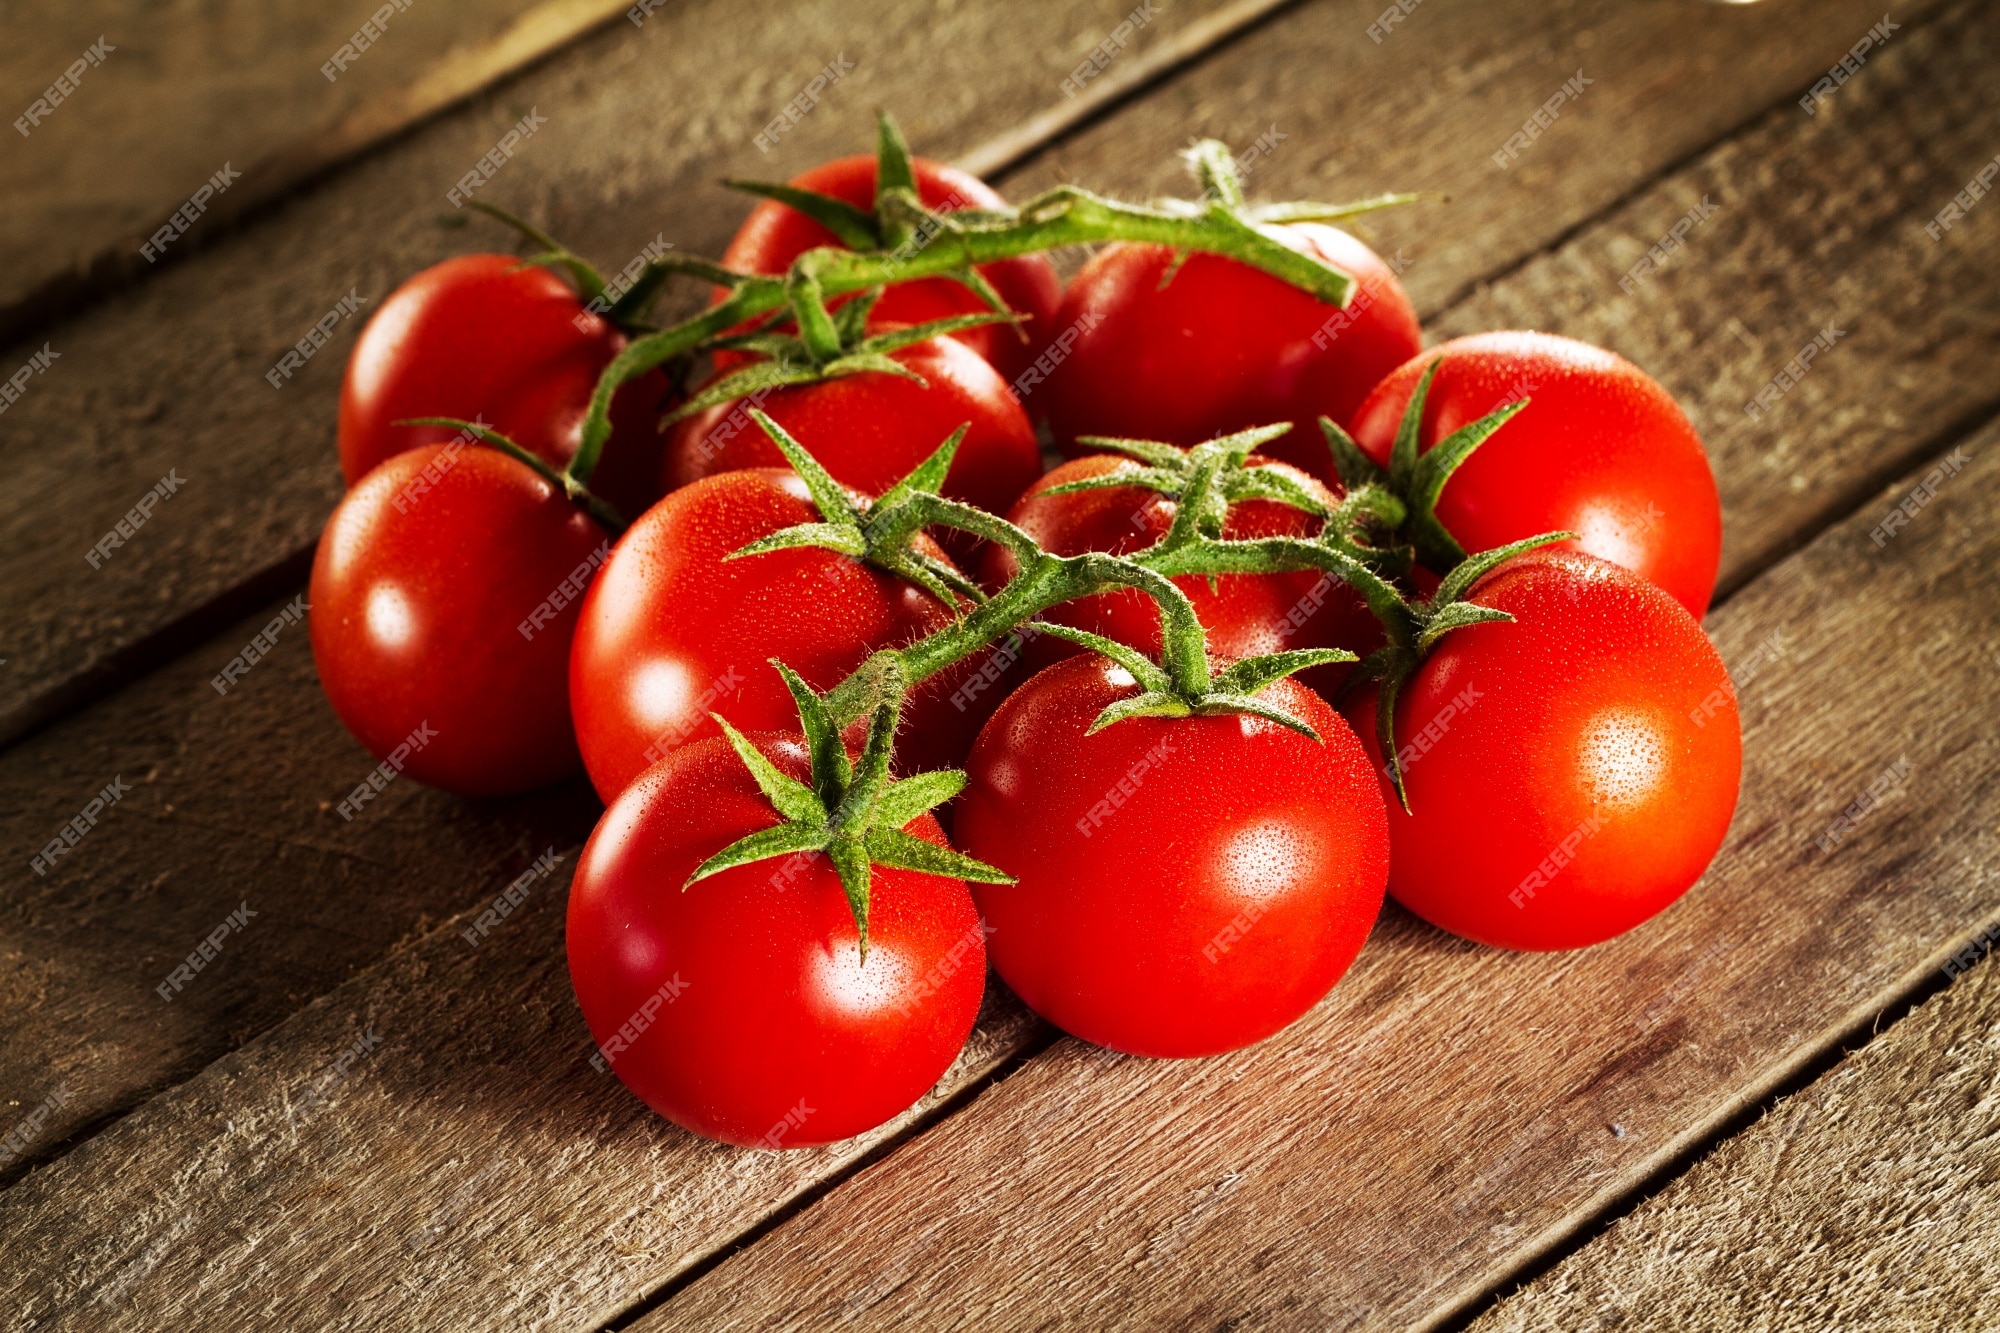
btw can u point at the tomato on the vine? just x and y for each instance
(443, 596)
(741, 1007)
(1569, 774)
(775, 234)
(1220, 346)
(1600, 450)
(1245, 614)
(1187, 885)
(674, 630)
(480, 337)
(870, 429)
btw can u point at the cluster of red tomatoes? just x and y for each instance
(1170, 850)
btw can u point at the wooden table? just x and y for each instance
(351, 1117)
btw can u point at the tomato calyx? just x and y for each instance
(852, 526)
(838, 344)
(571, 485)
(898, 224)
(957, 243)
(1417, 480)
(627, 312)
(852, 812)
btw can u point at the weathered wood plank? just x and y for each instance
(465, 1169)
(178, 90)
(640, 126)
(1451, 1111)
(232, 804)
(1871, 1200)
(1810, 216)
(232, 793)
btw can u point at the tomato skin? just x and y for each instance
(672, 631)
(775, 234)
(477, 337)
(417, 615)
(1587, 781)
(1245, 614)
(766, 1026)
(1224, 347)
(869, 430)
(1120, 928)
(1600, 450)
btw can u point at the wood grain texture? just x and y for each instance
(186, 87)
(640, 129)
(232, 793)
(467, 1169)
(1451, 1111)
(234, 802)
(1869, 1202)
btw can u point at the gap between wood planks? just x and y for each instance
(1864, 1025)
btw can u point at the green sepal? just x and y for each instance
(845, 538)
(852, 318)
(1264, 483)
(1149, 478)
(1150, 703)
(1386, 695)
(893, 168)
(1435, 544)
(1457, 615)
(1351, 463)
(787, 795)
(854, 226)
(828, 496)
(850, 863)
(1242, 703)
(1143, 668)
(1252, 674)
(1281, 213)
(905, 851)
(1474, 567)
(901, 802)
(927, 476)
(1146, 451)
(779, 840)
(1409, 432)
(830, 765)
(554, 254)
(572, 487)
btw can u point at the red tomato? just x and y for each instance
(775, 234)
(1569, 774)
(740, 1008)
(1187, 885)
(1245, 614)
(1223, 346)
(1600, 450)
(477, 337)
(672, 631)
(869, 430)
(443, 597)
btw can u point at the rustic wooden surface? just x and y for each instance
(105, 1013)
(186, 87)
(472, 1172)
(1869, 1202)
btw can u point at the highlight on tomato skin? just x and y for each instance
(1187, 886)
(740, 1007)
(443, 597)
(1570, 774)
(1601, 450)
